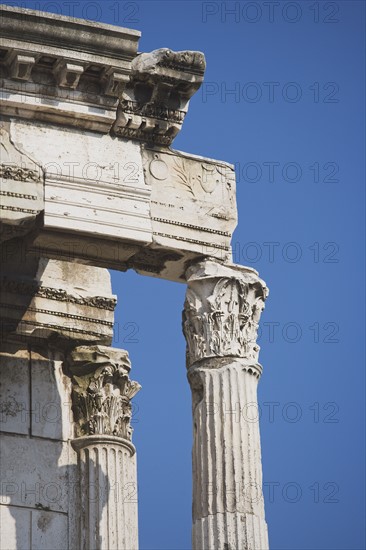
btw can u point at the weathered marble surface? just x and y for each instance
(155, 100)
(193, 204)
(46, 299)
(41, 529)
(38, 466)
(96, 117)
(101, 395)
(62, 69)
(88, 181)
(21, 188)
(121, 204)
(68, 466)
(102, 391)
(220, 320)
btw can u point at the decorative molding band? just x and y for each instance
(194, 241)
(57, 314)
(152, 110)
(33, 289)
(139, 134)
(155, 101)
(17, 173)
(18, 195)
(96, 440)
(19, 209)
(9, 325)
(190, 226)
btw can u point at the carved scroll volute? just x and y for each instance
(102, 391)
(221, 313)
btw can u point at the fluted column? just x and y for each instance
(107, 495)
(220, 320)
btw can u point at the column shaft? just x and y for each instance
(108, 494)
(227, 476)
(220, 322)
(102, 391)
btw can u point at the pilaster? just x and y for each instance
(101, 396)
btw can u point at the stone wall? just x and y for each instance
(39, 466)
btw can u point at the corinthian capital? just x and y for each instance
(102, 391)
(221, 312)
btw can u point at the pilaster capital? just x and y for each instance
(102, 391)
(221, 313)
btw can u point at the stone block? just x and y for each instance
(36, 473)
(15, 532)
(49, 530)
(14, 392)
(54, 298)
(23, 529)
(51, 400)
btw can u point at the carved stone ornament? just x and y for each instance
(27, 288)
(102, 391)
(221, 315)
(63, 70)
(155, 101)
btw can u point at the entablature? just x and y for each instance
(87, 173)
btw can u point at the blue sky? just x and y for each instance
(283, 100)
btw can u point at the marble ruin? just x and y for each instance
(89, 181)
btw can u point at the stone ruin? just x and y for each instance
(90, 182)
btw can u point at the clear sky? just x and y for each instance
(283, 100)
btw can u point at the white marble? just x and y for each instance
(42, 298)
(64, 70)
(94, 184)
(220, 321)
(107, 496)
(14, 390)
(40, 529)
(88, 181)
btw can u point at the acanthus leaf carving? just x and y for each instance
(225, 322)
(102, 391)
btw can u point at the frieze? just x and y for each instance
(21, 188)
